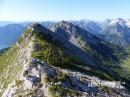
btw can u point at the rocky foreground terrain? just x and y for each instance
(29, 75)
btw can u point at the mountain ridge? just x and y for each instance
(46, 69)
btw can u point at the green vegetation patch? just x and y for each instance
(8, 68)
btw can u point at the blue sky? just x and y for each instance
(43, 10)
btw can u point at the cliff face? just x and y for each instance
(37, 67)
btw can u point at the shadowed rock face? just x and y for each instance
(68, 32)
(72, 33)
(38, 28)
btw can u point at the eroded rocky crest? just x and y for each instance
(39, 78)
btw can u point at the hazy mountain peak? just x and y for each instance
(63, 24)
(65, 29)
(117, 21)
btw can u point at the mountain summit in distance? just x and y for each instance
(115, 31)
(63, 60)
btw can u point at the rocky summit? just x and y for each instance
(60, 62)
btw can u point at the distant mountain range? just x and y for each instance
(3, 23)
(10, 32)
(116, 31)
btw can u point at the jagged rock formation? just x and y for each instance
(47, 71)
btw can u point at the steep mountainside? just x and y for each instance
(44, 63)
(115, 31)
(89, 46)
